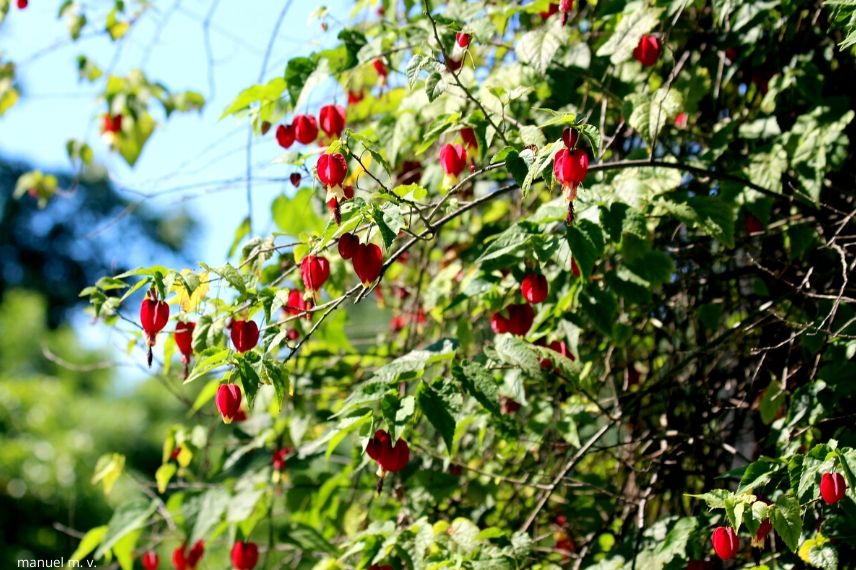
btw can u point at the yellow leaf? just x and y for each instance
(190, 302)
(351, 180)
(107, 470)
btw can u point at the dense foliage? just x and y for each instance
(615, 239)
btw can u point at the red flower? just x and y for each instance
(392, 458)
(279, 458)
(245, 555)
(111, 123)
(681, 120)
(832, 487)
(508, 405)
(560, 347)
(295, 179)
(368, 261)
(154, 315)
(380, 68)
(332, 169)
(551, 9)
(462, 39)
(565, 6)
(285, 135)
(332, 120)
(534, 288)
(245, 335)
(761, 534)
(725, 542)
(184, 339)
(315, 270)
(228, 401)
(469, 137)
(453, 159)
(305, 128)
(22, 4)
(297, 305)
(753, 224)
(348, 244)
(570, 168)
(355, 97)
(575, 269)
(647, 52)
(150, 560)
(518, 322)
(188, 561)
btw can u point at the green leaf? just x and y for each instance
(389, 222)
(519, 353)
(296, 215)
(648, 113)
(128, 517)
(710, 214)
(538, 47)
(89, 542)
(230, 274)
(758, 474)
(585, 239)
(262, 94)
(436, 409)
(211, 509)
(479, 383)
(435, 85)
(787, 520)
(297, 72)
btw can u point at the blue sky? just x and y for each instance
(168, 43)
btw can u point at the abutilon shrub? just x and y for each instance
(592, 306)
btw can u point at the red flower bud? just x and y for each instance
(534, 288)
(279, 458)
(228, 401)
(332, 169)
(570, 137)
(332, 120)
(295, 179)
(681, 120)
(368, 261)
(453, 159)
(569, 169)
(245, 555)
(315, 270)
(265, 127)
(150, 560)
(22, 4)
(566, 5)
(462, 39)
(575, 269)
(245, 335)
(154, 315)
(647, 52)
(725, 542)
(832, 487)
(305, 128)
(348, 244)
(285, 135)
